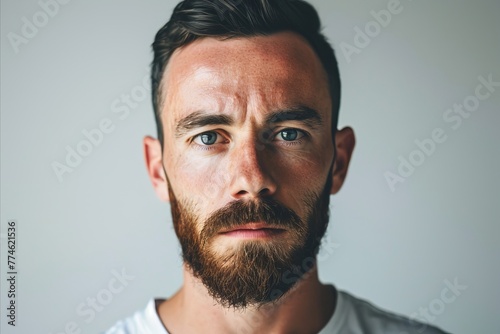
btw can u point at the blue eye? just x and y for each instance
(289, 134)
(208, 138)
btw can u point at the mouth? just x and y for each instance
(253, 231)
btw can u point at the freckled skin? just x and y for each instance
(246, 78)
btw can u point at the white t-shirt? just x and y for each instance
(351, 316)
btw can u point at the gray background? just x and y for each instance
(395, 249)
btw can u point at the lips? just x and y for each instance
(251, 227)
(253, 230)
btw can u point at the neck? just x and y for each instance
(306, 308)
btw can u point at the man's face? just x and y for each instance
(248, 153)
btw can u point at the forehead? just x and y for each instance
(279, 70)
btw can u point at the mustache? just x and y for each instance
(238, 213)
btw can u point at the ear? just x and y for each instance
(154, 166)
(344, 145)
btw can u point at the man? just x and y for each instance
(246, 97)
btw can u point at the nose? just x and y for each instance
(251, 169)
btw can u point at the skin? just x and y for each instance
(247, 79)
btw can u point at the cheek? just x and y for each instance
(198, 180)
(308, 167)
(306, 174)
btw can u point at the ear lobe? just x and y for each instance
(154, 166)
(344, 145)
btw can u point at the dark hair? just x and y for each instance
(195, 19)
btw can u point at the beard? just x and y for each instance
(253, 272)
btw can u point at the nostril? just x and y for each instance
(242, 192)
(264, 192)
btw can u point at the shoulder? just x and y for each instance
(361, 316)
(141, 322)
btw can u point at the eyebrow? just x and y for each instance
(306, 115)
(197, 119)
(200, 119)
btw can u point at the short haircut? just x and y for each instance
(225, 19)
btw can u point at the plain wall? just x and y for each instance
(395, 247)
